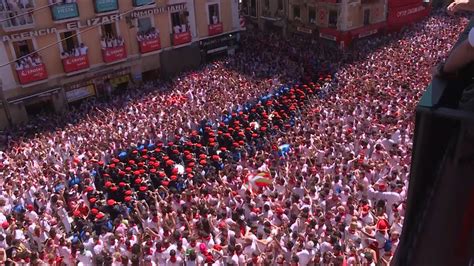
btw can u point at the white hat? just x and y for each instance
(309, 245)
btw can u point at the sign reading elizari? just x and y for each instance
(93, 22)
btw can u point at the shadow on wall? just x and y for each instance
(179, 60)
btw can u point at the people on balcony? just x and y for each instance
(148, 35)
(28, 61)
(110, 41)
(77, 51)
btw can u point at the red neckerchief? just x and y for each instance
(173, 259)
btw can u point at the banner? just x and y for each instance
(215, 29)
(76, 63)
(32, 74)
(147, 46)
(105, 5)
(182, 38)
(110, 55)
(398, 17)
(64, 11)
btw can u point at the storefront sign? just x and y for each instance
(114, 54)
(32, 74)
(115, 82)
(181, 38)
(76, 63)
(80, 93)
(215, 29)
(304, 30)
(398, 17)
(64, 11)
(158, 10)
(327, 36)
(404, 13)
(218, 41)
(105, 5)
(147, 46)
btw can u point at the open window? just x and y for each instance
(179, 21)
(332, 19)
(296, 12)
(366, 17)
(213, 14)
(15, 15)
(71, 45)
(312, 15)
(146, 30)
(25, 54)
(110, 36)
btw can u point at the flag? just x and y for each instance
(262, 179)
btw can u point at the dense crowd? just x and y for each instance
(161, 175)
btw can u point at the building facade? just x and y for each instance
(54, 53)
(341, 21)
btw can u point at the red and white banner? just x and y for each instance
(215, 29)
(151, 45)
(76, 63)
(367, 30)
(110, 55)
(32, 74)
(182, 38)
(401, 3)
(401, 16)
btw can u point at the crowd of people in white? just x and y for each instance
(158, 175)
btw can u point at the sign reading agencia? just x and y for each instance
(100, 20)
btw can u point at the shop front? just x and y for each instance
(79, 91)
(400, 16)
(213, 47)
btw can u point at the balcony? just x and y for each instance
(181, 38)
(149, 45)
(143, 3)
(215, 29)
(30, 74)
(106, 6)
(66, 11)
(114, 54)
(17, 20)
(74, 64)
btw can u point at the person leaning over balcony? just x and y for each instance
(463, 54)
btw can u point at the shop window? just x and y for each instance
(312, 15)
(14, 13)
(296, 12)
(333, 18)
(213, 14)
(110, 36)
(146, 31)
(26, 57)
(8, 5)
(366, 17)
(179, 21)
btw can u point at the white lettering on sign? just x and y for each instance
(28, 34)
(410, 11)
(158, 10)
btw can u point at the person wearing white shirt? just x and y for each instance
(306, 255)
(177, 29)
(83, 49)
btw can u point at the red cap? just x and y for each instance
(122, 184)
(100, 215)
(5, 225)
(128, 192)
(94, 211)
(128, 199)
(143, 188)
(92, 200)
(138, 181)
(108, 184)
(110, 202)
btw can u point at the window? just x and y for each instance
(366, 17)
(70, 45)
(7, 5)
(312, 15)
(333, 18)
(110, 36)
(179, 21)
(18, 18)
(26, 58)
(213, 14)
(296, 12)
(266, 3)
(144, 24)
